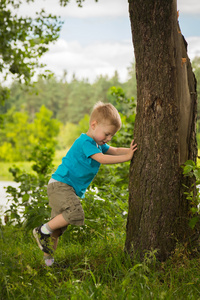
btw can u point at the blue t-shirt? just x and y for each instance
(78, 169)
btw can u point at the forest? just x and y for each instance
(50, 111)
(53, 111)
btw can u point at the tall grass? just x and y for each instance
(92, 269)
(90, 262)
(25, 166)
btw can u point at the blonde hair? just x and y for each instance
(106, 112)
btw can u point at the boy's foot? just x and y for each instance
(43, 240)
(49, 260)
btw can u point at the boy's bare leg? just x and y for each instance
(49, 260)
(57, 222)
(54, 237)
(54, 226)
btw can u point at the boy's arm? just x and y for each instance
(115, 156)
(117, 151)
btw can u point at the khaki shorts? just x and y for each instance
(63, 200)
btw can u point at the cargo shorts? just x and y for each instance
(63, 200)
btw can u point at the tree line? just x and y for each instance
(68, 101)
(56, 111)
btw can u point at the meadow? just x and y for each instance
(90, 262)
(93, 267)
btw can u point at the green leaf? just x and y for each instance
(190, 163)
(25, 197)
(194, 209)
(187, 169)
(197, 174)
(193, 222)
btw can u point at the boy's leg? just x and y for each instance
(52, 228)
(43, 240)
(57, 222)
(55, 237)
(48, 259)
(72, 211)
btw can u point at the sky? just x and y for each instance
(96, 39)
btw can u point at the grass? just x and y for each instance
(4, 167)
(5, 175)
(92, 269)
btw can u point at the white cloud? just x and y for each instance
(98, 59)
(89, 61)
(103, 8)
(193, 46)
(189, 7)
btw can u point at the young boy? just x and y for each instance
(77, 170)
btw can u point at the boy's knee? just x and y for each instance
(76, 217)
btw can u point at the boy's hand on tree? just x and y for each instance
(132, 149)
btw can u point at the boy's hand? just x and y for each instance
(116, 155)
(132, 149)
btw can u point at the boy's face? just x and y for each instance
(102, 132)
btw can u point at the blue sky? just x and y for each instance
(91, 30)
(96, 39)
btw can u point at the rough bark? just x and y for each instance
(164, 129)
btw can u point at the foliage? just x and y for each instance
(29, 200)
(70, 132)
(193, 195)
(117, 96)
(196, 70)
(5, 175)
(67, 135)
(24, 40)
(106, 200)
(24, 128)
(19, 136)
(68, 101)
(79, 2)
(127, 107)
(92, 269)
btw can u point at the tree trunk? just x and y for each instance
(164, 129)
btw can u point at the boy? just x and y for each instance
(77, 170)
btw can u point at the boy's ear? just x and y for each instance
(93, 124)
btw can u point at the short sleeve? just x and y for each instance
(90, 149)
(105, 148)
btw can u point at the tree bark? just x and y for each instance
(165, 129)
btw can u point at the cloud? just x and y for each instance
(97, 59)
(89, 61)
(189, 7)
(193, 46)
(103, 8)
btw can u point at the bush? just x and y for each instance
(29, 202)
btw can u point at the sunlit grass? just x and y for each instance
(92, 269)
(5, 175)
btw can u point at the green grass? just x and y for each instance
(5, 175)
(4, 167)
(92, 269)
